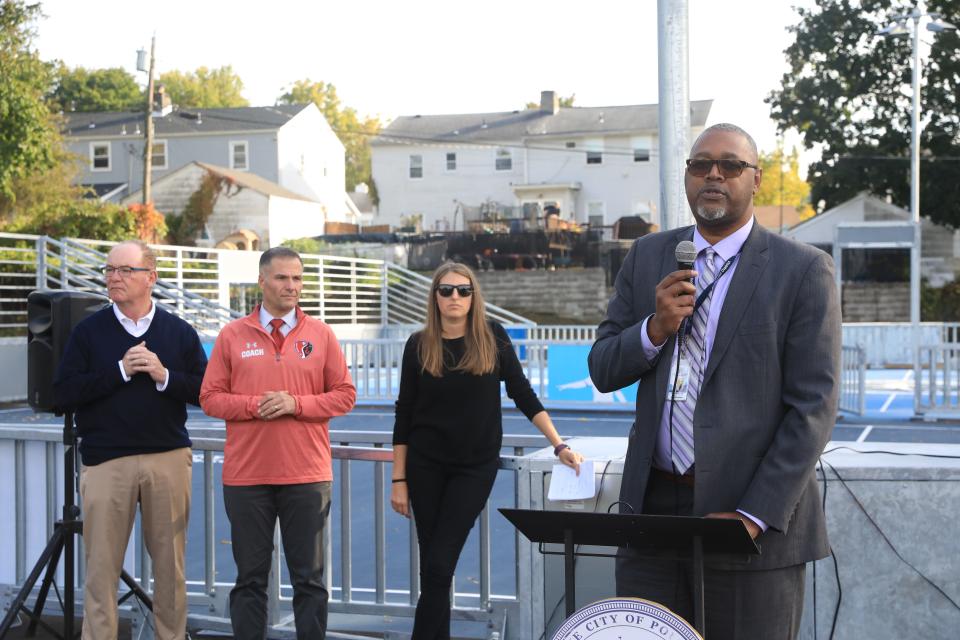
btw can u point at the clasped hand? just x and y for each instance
(274, 404)
(139, 359)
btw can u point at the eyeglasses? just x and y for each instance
(124, 272)
(446, 290)
(700, 167)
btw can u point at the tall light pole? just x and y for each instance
(674, 111)
(899, 26)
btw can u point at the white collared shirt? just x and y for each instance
(289, 321)
(137, 328)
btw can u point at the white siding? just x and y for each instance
(311, 161)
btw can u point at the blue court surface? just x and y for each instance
(889, 416)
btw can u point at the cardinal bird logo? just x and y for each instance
(304, 349)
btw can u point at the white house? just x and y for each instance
(249, 213)
(587, 161)
(939, 246)
(292, 146)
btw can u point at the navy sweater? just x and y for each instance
(116, 418)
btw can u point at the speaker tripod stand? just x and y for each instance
(62, 542)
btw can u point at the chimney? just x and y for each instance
(549, 102)
(161, 101)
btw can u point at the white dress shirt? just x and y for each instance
(137, 328)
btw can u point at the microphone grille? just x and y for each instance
(686, 252)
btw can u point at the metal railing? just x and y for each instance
(937, 391)
(362, 462)
(890, 344)
(207, 286)
(375, 366)
(74, 265)
(853, 380)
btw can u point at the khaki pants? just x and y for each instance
(109, 492)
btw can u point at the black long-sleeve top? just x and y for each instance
(456, 418)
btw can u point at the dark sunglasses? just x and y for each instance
(446, 290)
(700, 167)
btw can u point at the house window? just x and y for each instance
(239, 155)
(594, 151)
(100, 156)
(416, 167)
(504, 160)
(158, 154)
(641, 149)
(451, 161)
(595, 209)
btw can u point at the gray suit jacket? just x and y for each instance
(768, 401)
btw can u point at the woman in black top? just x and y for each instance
(448, 431)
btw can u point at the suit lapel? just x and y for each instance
(668, 264)
(753, 260)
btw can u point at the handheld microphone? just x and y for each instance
(686, 255)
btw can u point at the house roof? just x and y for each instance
(531, 123)
(362, 201)
(240, 178)
(180, 121)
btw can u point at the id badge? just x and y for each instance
(683, 381)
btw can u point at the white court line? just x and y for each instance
(584, 418)
(907, 375)
(886, 405)
(866, 432)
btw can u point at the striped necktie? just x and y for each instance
(682, 424)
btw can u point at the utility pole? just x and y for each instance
(148, 129)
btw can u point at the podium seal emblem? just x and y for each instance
(625, 619)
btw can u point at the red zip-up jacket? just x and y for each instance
(245, 364)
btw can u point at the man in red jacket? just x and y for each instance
(277, 376)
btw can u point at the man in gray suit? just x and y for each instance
(738, 392)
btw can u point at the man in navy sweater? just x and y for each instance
(128, 372)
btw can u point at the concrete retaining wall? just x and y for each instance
(574, 295)
(876, 302)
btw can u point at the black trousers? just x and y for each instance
(446, 501)
(253, 512)
(739, 604)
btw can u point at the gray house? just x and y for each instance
(592, 163)
(290, 145)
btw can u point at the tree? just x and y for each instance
(354, 132)
(37, 175)
(205, 88)
(29, 136)
(792, 191)
(848, 91)
(564, 102)
(84, 90)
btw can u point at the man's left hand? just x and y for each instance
(274, 404)
(752, 528)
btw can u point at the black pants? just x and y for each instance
(446, 501)
(739, 604)
(253, 513)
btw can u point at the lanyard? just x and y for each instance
(706, 293)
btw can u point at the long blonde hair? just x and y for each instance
(480, 355)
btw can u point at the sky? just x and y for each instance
(389, 58)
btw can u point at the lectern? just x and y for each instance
(651, 535)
